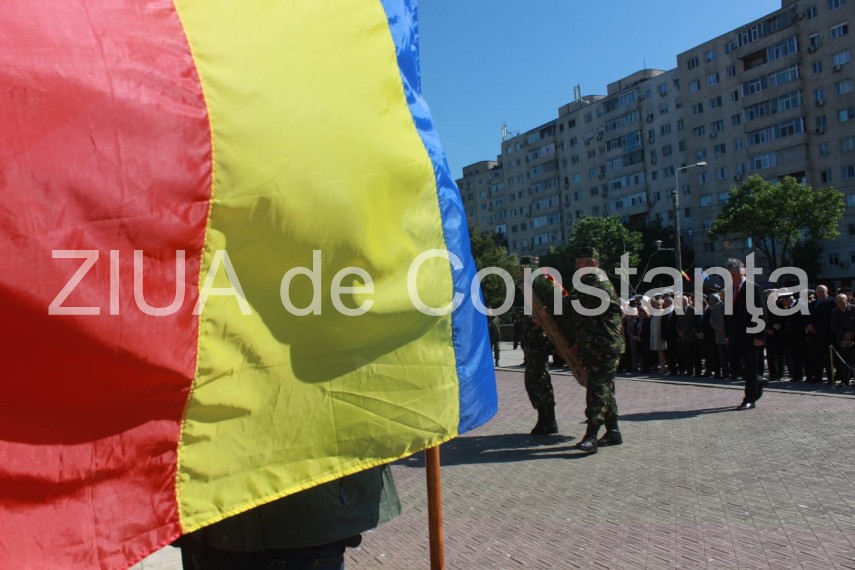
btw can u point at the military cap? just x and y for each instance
(846, 289)
(587, 251)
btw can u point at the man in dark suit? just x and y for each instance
(745, 329)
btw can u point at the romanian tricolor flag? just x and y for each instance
(230, 246)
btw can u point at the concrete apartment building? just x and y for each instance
(774, 97)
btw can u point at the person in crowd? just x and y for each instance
(309, 529)
(658, 344)
(598, 340)
(775, 338)
(843, 328)
(537, 348)
(745, 330)
(688, 352)
(495, 336)
(717, 325)
(819, 331)
(792, 335)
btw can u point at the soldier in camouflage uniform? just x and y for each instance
(599, 343)
(536, 347)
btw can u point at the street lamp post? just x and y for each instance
(675, 195)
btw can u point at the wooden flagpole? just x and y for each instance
(434, 500)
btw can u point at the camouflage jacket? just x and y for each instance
(531, 335)
(598, 335)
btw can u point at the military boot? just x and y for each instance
(589, 441)
(546, 424)
(612, 435)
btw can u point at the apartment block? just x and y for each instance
(774, 97)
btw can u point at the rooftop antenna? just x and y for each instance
(504, 132)
(577, 93)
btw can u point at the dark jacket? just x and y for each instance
(737, 324)
(320, 515)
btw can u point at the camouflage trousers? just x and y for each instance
(600, 397)
(538, 383)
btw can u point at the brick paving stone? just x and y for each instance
(696, 485)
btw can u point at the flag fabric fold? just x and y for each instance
(228, 235)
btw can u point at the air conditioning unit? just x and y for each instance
(663, 93)
(602, 176)
(651, 140)
(599, 136)
(587, 141)
(713, 134)
(800, 16)
(820, 130)
(649, 117)
(811, 48)
(836, 68)
(820, 103)
(738, 177)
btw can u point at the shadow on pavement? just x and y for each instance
(501, 448)
(673, 415)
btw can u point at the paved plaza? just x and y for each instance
(695, 485)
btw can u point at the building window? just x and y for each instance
(717, 126)
(697, 108)
(700, 131)
(843, 86)
(833, 259)
(850, 200)
(737, 144)
(720, 149)
(712, 79)
(815, 40)
(816, 67)
(667, 150)
(715, 102)
(709, 55)
(721, 173)
(823, 149)
(694, 86)
(704, 201)
(840, 58)
(818, 94)
(825, 176)
(835, 4)
(847, 144)
(735, 120)
(703, 177)
(840, 30)
(731, 71)
(692, 62)
(700, 155)
(847, 114)
(665, 129)
(848, 172)
(782, 49)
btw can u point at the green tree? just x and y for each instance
(773, 215)
(488, 252)
(608, 234)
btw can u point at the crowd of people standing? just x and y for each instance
(814, 347)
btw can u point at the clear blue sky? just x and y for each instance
(488, 62)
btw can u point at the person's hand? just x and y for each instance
(758, 342)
